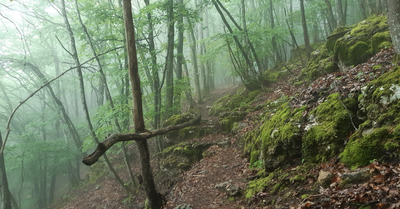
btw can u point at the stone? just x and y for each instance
(354, 178)
(324, 178)
(183, 206)
(228, 188)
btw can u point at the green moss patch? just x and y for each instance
(364, 40)
(325, 139)
(361, 150)
(237, 101)
(182, 155)
(378, 137)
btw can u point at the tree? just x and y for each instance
(5, 191)
(394, 23)
(169, 62)
(305, 29)
(141, 134)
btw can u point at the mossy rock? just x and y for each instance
(335, 35)
(186, 133)
(381, 99)
(253, 140)
(333, 124)
(278, 138)
(378, 138)
(178, 119)
(182, 155)
(320, 63)
(361, 150)
(380, 41)
(239, 100)
(362, 41)
(228, 119)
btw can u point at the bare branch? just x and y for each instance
(123, 137)
(40, 88)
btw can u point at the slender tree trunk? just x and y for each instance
(394, 23)
(363, 8)
(169, 63)
(203, 65)
(179, 57)
(193, 44)
(83, 96)
(154, 198)
(305, 29)
(278, 57)
(331, 20)
(339, 12)
(5, 191)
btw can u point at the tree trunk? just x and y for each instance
(169, 63)
(179, 58)
(193, 44)
(305, 29)
(339, 12)
(154, 198)
(331, 18)
(278, 57)
(5, 191)
(394, 23)
(83, 96)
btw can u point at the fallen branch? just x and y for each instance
(123, 137)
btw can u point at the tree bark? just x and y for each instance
(394, 23)
(154, 198)
(339, 12)
(305, 29)
(83, 96)
(169, 63)
(193, 46)
(5, 191)
(179, 57)
(331, 18)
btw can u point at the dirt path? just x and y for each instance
(223, 167)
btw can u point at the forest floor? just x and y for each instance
(207, 183)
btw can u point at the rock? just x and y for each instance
(354, 178)
(230, 189)
(324, 178)
(183, 206)
(224, 144)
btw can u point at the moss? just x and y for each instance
(234, 101)
(361, 150)
(254, 158)
(380, 41)
(182, 155)
(336, 34)
(359, 52)
(228, 120)
(365, 39)
(326, 140)
(178, 119)
(258, 185)
(280, 136)
(380, 98)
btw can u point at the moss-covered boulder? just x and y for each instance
(320, 63)
(362, 41)
(278, 141)
(181, 156)
(330, 123)
(237, 101)
(184, 134)
(378, 137)
(228, 119)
